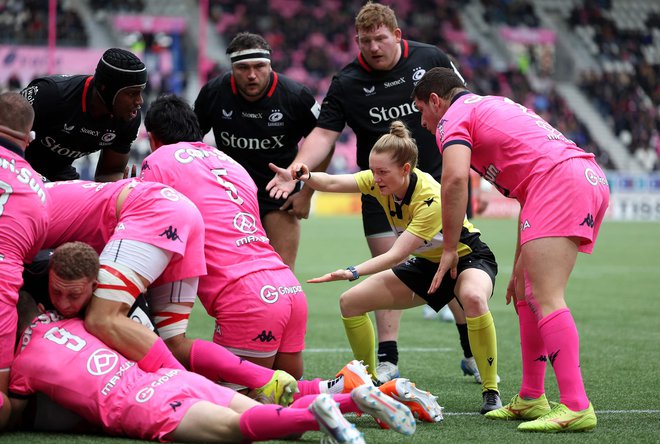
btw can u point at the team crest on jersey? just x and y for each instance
(275, 118)
(441, 130)
(227, 114)
(418, 73)
(108, 137)
(369, 91)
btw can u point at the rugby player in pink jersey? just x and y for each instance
(259, 306)
(59, 357)
(563, 195)
(148, 236)
(23, 223)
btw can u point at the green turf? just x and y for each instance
(614, 297)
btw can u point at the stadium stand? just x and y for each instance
(596, 79)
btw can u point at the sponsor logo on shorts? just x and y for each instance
(593, 178)
(101, 362)
(269, 294)
(146, 393)
(170, 194)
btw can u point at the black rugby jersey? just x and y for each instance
(65, 130)
(368, 100)
(256, 133)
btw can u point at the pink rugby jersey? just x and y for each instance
(151, 213)
(236, 243)
(59, 358)
(23, 221)
(510, 143)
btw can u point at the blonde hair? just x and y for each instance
(75, 260)
(372, 15)
(399, 144)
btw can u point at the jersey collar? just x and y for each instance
(273, 84)
(86, 98)
(404, 55)
(11, 146)
(406, 199)
(460, 94)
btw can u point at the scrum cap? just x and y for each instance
(118, 69)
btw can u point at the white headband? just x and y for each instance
(250, 55)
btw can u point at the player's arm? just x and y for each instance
(111, 166)
(402, 248)
(331, 183)
(454, 196)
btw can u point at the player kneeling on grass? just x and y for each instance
(73, 270)
(411, 200)
(59, 357)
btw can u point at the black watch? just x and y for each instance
(356, 275)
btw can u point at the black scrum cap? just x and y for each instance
(118, 69)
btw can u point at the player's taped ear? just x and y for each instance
(119, 283)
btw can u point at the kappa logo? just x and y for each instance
(369, 91)
(102, 362)
(542, 358)
(588, 221)
(227, 114)
(552, 356)
(171, 234)
(265, 337)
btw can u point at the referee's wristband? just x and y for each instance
(356, 275)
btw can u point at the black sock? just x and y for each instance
(388, 352)
(465, 340)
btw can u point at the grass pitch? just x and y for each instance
(614, 296)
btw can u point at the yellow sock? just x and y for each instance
(483, 341)
(360, 333)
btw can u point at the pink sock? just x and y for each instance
(563, 346)
(308, 388)
(159, 356)
(219, 364)
(346, 403)
(533, 353)
(270, 421)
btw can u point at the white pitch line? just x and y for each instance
(413, 349)
(599, 412)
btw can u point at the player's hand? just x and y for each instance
(339, 275)
(130, 171)
(299, 171)
(282, 184)
(511, 291)
(448, 262)
(516, 284)
(298, 204)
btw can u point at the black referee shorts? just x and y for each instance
(417, 273)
